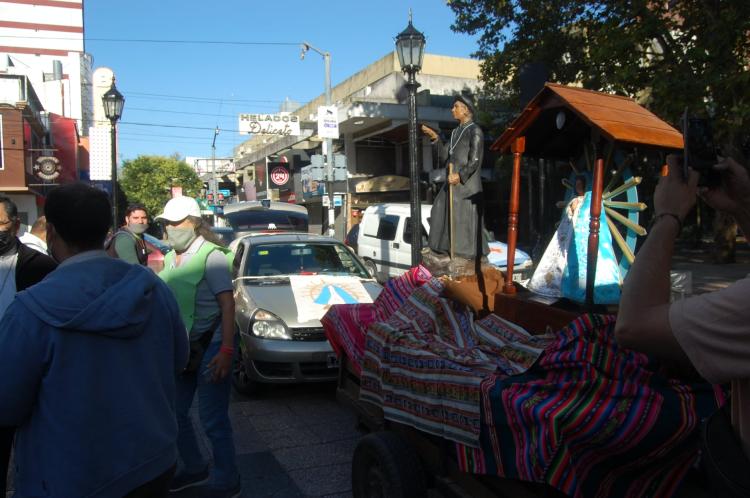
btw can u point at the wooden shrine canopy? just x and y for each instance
(557, 124)
(616, 118)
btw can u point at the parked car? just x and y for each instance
(384, 242)
(156, 250)
(275, 347)
(225, 233)
(265, 216)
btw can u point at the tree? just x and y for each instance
(148, 180)
(669, 53)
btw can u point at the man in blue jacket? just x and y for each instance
(87, 365)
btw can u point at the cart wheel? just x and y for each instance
(386, 466)
(240, 378)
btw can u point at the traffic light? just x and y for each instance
(209, 197)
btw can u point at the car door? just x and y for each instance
(390, 243)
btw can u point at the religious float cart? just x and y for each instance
(476, 388)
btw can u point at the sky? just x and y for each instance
(187, 89)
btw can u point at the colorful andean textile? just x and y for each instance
(424, 365)
(591, 419)
(562, 270)
(345, 324)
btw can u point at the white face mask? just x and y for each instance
(138, 228)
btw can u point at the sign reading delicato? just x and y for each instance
(282, 124)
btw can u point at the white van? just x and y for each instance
(384, 242)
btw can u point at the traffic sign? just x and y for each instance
(337, 201)
(280, 175)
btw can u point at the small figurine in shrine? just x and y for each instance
(562, 270)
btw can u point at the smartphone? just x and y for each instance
(700, 152)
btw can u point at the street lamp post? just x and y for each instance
(328, 142)
(410, 48)
(113, 103)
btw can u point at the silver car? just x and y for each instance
(274, 346)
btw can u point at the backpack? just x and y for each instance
(141, 251)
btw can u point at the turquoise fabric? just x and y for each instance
(607, 283)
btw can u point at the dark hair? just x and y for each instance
(10, 207)
(136, 206)
(203, 229)
(81, 214)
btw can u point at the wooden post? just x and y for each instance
(518, 148)
(595, 213)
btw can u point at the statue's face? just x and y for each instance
(460, 111)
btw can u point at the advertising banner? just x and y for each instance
(282, 124)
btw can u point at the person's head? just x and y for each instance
(39, 228)
(136, 218)
(580, 186)
(463, 109)
(182, 217)
(9, 223)
(78, 219)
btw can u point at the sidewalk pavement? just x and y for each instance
(707, 275)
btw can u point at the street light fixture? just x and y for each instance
(410, 48)
(113, 103)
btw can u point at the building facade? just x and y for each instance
(373, 137)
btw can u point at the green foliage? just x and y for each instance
(667, 54)
(148, 180)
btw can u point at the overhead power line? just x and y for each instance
(207, 99)
(211, 128)
(154, 40)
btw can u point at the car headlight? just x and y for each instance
(266, 325)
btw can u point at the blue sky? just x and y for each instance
(183, 85)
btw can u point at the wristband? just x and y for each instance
(671, 215)
(226, 350)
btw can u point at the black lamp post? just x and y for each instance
(113, 103)
(410, 49)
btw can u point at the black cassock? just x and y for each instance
(465, 150)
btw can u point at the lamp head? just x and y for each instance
(410, 48)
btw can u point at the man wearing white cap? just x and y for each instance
(198, 272)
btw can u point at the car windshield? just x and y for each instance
(267, 260)
(267, 219)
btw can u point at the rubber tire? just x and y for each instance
(242, 383)
(372, 269)
(386, 466)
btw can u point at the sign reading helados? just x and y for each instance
(282, 124)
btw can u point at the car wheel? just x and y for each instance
(240, 378)
(385, 465)
(372, 269)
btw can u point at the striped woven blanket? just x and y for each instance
(591, 419)
(345, 324)
(424, 365)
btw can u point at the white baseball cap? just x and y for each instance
(179, 208)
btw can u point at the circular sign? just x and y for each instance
(279, 175)
(47, 167)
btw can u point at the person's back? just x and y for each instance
(88, 359)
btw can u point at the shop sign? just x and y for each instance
(282, 124)
(47, 167)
